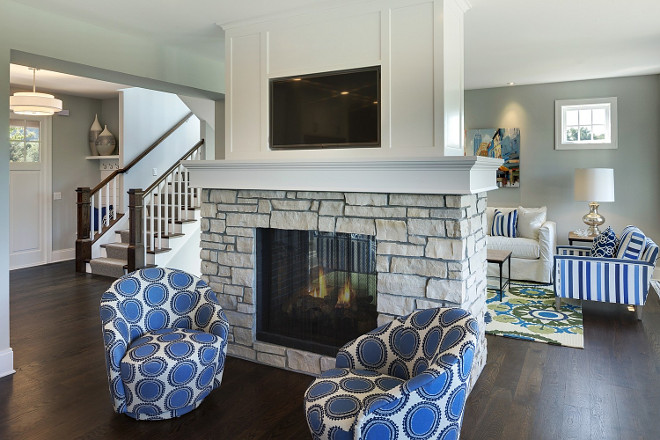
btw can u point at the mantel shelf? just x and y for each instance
(446, 175)
(115, 156)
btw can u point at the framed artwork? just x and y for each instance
(502, 143)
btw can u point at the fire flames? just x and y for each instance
(345, 296)
(322, 290)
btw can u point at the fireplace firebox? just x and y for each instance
(315, 290)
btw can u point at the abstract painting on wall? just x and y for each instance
(502, 143)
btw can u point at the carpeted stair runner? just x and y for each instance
(113, 264)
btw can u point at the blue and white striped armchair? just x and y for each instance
(620, 279)
(405, 380)
(165, 337)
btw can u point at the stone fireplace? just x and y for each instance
(430, 249)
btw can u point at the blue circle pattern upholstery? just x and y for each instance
(165, 337)
(405, 380)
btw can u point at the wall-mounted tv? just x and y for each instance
(339, 109)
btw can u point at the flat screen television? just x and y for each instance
(339, 109)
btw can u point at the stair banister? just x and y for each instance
(83, 241)
(187, 156)
(156, 204)
(89, 199)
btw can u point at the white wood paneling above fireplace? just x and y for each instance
(417, 43)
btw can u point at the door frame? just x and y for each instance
(46, 220)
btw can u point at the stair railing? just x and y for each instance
(97, 207)
(167, 201)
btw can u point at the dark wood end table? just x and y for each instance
(500, 257)
(572, 236)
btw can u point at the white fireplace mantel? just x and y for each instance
(447, 175)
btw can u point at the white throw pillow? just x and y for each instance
(490, 212)
(530, 221)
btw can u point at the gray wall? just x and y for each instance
(546, 175)
(109, 116)
(70, 168)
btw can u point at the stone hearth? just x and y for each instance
(431, 251)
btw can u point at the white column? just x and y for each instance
(6, 354)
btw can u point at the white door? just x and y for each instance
(29, 191)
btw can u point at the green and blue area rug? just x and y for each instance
(527, 312)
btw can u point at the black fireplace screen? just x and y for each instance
(315, 290)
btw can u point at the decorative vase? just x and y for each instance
(105, 143)
(94, 132)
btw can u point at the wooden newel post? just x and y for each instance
(135, 235)
(83, 242)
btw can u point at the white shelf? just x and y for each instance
(116, 156)
(434, 175)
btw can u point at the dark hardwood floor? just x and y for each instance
(609, 390)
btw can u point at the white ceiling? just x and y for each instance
(541, 41)
(521, 41)
(20, 78)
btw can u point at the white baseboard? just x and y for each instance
(63, 255)
(6, 362)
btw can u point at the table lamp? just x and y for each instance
(594, 185)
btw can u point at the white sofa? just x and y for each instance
(532, 251)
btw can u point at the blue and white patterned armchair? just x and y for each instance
(165, 338)
(623, 279)
(405, 380)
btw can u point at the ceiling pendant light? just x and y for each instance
(34, 103)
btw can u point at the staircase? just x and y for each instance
(158, 224)
(181, 221)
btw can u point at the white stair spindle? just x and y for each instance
(107, 206)
(186, 190)
(99, 202)
(92, 231)
(171, 197)
(178, 190)
(151, 224)
(159, 219)
(198, 155)
(144, 226)
(164, 195)
(114, 198)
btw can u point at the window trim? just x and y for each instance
(562, 104)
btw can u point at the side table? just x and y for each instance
(572, 236)
(500, 257)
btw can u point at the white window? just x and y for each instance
(24, 140)
(585, 124)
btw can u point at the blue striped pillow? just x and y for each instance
(505, 225)
(650, 252)
(632, 243)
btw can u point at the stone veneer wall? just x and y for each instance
(431, 251)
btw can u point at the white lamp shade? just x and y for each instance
(594, 184)
(34, 103)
